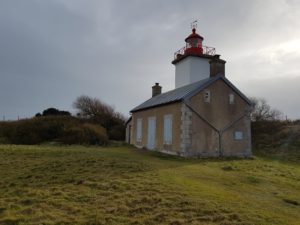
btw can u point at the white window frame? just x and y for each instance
(207, 96)
(168, 129)
(238, 135)
(231, 98)
(139, 129)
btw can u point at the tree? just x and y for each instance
(53, 112)
(97, 111)
(262, 111)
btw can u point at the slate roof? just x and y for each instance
(184, 92)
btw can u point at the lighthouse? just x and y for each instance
(204, 116)
(192, 62)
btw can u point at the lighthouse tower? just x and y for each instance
(192, 61)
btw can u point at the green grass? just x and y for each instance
(124, 185)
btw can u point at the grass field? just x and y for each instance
(123, 185)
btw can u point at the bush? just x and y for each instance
(96, 133)
(268, 134)
(117, 132)
(273, 134)
(65, 129)
(85, 134)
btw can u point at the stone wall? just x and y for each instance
(185, 130)
(173, 109)
(215, 123)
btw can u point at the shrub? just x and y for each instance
(268, 134)
(96, 133)
(117, 132)
(85, 134)
(66, 129)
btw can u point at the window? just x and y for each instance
(238, 135)
(168, 129)
(231, 99)
(139, 130)
(151, 132)
(207, 96)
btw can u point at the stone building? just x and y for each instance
(204, 116)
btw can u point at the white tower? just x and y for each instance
(192, 61)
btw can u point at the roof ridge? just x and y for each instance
(192, 84)
(174, 95)
(186, 92)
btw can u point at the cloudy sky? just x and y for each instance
(52, 51)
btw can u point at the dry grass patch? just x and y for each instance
(123, 185)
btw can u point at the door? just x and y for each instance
(151, 133)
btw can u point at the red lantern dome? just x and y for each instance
(194, 35)
(193, 47)
(194, 43)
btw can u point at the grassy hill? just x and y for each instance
(124, 185)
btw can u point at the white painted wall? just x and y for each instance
(190, 70)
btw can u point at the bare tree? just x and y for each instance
(88, 107)
(100, 112)
(261, 111)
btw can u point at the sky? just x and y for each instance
(52, 51)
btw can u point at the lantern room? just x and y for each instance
(193, 47)
(192, 61)
(194, 43)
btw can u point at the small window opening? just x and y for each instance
(231, 99)
(238, 135)
(207, 96)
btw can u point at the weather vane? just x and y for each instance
(194, 24)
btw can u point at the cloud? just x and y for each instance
(280, 93)
(53, 51)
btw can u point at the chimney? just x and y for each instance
(156, 90)
(217, 66)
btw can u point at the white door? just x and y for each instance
(151, 133)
